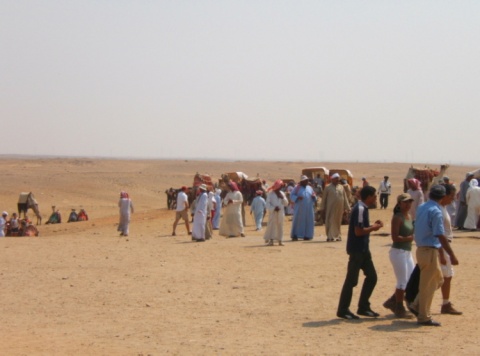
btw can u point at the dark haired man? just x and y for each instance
(360, 258)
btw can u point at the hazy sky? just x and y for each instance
(249, 79)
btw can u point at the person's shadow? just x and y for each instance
(396, 325)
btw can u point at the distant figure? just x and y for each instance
(334, 204)
(289, 208)
(13, 225)
(200, 215)
(462, 200)
(473, 206)
(82, 215)
(55, 217)
(218, 210)
(384, 190)
(73, 217)
(276, 202)
(303, 223)
(258, 209)
(126, 208)
(416, 192)
(348, 191)
(231, 224)
(452, 207)
(319, 181)
(211, 203)
(181, 211)
(3, 223)
(365, 182)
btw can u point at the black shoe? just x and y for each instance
(294, 238)
(347, 315)
(413, 311)
(368, 312)
(429, 323)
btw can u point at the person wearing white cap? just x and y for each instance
(3, 222)
(334, 204)
(303, 221)
(200, 216)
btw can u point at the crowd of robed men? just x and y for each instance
(430, 227)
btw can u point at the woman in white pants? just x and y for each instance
(401, 253)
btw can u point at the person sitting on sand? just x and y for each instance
(73, 217)
(82, 215)
(55, 217)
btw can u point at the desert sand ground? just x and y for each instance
(81, 289)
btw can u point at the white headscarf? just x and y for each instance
(474, 183)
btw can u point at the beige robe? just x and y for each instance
(231, 224)
(334, 204)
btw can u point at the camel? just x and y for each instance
(27, 201)
(426, 176)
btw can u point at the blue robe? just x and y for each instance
(258, 209)
(303, 222)
(218, 212)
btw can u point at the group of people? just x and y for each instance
(206, 211)
(431, 229)
(16, 226)
(429, 224)
(80, 216)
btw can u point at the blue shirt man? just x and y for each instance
(429, 237)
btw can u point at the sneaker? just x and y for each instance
(449, 309)
(347, 315)
(429, 323)
(368, 312)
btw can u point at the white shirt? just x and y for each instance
(385, 187)
(182, 200)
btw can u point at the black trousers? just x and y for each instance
(356, 262)
(383, 200)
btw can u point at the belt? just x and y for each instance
(436, 248)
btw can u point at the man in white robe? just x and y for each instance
(276, 203)
(231, 224)
(125, 205)
(200, 216)
(334, 205)
(473, 205)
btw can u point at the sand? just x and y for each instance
(81, 289)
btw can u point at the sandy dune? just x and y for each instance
(80, 289)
